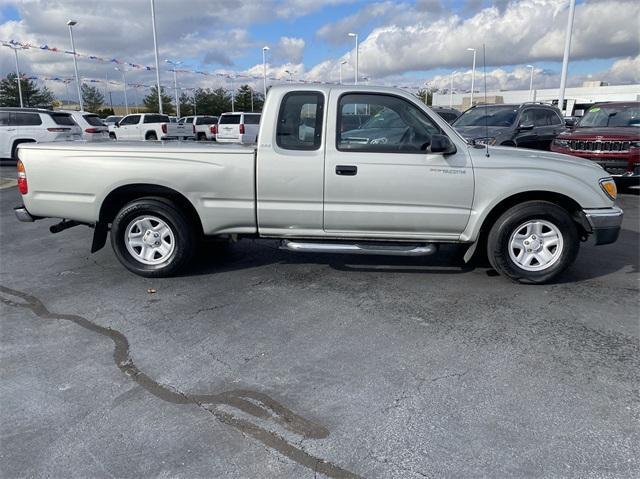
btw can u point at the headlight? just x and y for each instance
(609, 187)
(562, 143)
(485, 141)
(635, 144)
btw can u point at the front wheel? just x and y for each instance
(152, 238)
(533, 242)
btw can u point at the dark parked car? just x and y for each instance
(609, 134)
(530, 125)
(449, 114)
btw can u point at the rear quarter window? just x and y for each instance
(229, 120)
(252, 119)
(93, 120)
(156, 119)
(63, 119)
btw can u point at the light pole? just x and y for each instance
(251, 90)
(70, 24)
(155, 48)
(265, 49)
(343, 62)
(451, 91)
(355, 35)
(15, 49)
(124, 86)
(175, 83)
(473, 73)
(531, 83)
(135, 98)
(565, 57)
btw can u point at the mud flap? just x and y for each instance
(99, 236)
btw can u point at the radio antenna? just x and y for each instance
(486, 120)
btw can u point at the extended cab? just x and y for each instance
(149, 126)
(319, 187)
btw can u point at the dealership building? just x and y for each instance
(577, 99)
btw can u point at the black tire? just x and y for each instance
(182, 231)
(201, 137)
(510, 222)
(112, 136)
(14, 148)
(151, 136)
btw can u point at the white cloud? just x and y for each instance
(520, 32)
(289, 49)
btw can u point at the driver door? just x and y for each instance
(381, 179)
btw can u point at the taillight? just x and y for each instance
(22, 179)
(164, 128)
(214, 129)
(92, 130)
(58, 129)
(242, 128)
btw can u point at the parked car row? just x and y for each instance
(608, 133)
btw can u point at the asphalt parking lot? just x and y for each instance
(263, 363)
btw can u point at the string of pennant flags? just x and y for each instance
(116, 61)
(136, 66)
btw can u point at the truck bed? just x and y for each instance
(218, 180)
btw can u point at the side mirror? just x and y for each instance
(525, 126)
(117, 124)
(570, 122)
(442, 144)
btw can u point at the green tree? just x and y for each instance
(151, 102)
(186, 105)
(213, 102)
(32, 96)
(426, 95)
(243, 99)
(92, 98)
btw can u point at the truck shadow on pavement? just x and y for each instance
(590, 264)
(241, 402)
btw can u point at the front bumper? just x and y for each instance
(605, 223)
(23, 215)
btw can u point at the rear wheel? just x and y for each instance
(201, 137)
(151, 136)
(152, 237)
(533, 242)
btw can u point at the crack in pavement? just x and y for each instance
(250, 402)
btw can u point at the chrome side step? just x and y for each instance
(359, 248)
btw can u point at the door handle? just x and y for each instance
(346, 170)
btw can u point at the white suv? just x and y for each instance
(202, 126)
(29, 125)
(238, 127)
(93, 129)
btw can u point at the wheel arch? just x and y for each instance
(564, 201)
(18, 141)
(124, 194)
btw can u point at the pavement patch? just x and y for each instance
(223, 406)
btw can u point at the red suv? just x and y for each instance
(609, 134)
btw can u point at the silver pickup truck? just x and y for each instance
(337, 169)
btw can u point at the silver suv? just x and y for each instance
(29, 125)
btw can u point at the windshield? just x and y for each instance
(490, 116)
(611, 116)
